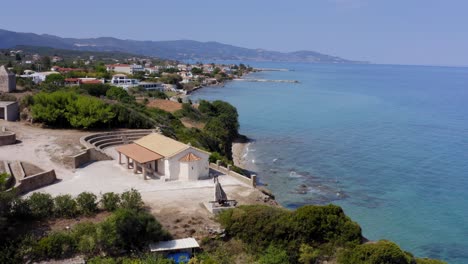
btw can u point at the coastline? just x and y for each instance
(239, 151)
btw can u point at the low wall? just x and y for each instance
(36, 181)
(7, 138)
(89, 155)
(252, 181)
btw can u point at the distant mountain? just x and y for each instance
(175, 50)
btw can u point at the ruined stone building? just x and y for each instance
(7, 80)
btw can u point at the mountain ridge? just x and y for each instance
(166, 49)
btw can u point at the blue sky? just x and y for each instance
(429, 32)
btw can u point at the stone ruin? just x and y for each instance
(7, 80)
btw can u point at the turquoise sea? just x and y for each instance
(387, 143)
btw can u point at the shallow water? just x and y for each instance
(387, 143)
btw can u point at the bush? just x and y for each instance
(41, 205)
(65, 206)
(215, 156)
(274, 255)
(87, 203)
(429, 261)
(380, 252)
(129, 229)
(260, 226)
(20, 208)
(110, 201)
(55, 245)
(131, 200)
(86, 237)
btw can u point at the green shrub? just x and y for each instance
(429, 261)
(131, 200)
(41, 205)
(20, 208)
(260, 226)
(129, 229)
(87, 203)
(215, 156)
(324, 224)
(110, 201)
(381, 252)
(308, 254)
(102, 260)
(55, 245)
(65, 206)
(274, 255)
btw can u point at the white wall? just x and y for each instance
(183, 170)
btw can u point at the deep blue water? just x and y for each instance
(387, 143)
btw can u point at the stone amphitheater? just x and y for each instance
(103, 140)
(96, 144)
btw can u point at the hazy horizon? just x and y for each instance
(397, 32)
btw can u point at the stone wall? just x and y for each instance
(87, 156)
(36, 181)
(252, 181)
(7, 138)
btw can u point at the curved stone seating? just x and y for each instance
(96, 138)
(103, 140)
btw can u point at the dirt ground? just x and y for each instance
(177, 205)
(166, 105)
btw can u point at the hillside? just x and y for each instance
(176, 49)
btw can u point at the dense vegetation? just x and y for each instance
(310, 234)
(128, 229)
(104, 106)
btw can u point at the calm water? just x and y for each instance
(387, 143)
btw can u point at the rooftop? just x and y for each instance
(6, 103)
(162, 145)
(176, 244)
(138, 153)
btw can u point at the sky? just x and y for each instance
(424, 32)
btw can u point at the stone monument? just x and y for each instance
(7, 80)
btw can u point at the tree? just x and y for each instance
(99, 89)
(55, 78)
(86, 112)
(46, 62)
(196, 71)
(117, 93)
(87, 203)
(129, 229)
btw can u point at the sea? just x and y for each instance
(387, 143)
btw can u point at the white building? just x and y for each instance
(121, 80)
(152, 86)
(125, 68)
(159, 156)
